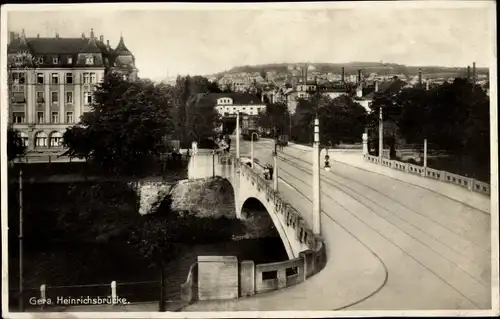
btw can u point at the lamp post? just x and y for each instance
(275, 166)
(21, 292)
(251, 146)
(237, 135)
(380, 135)
(316, 181)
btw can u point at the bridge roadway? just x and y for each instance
(391, 245)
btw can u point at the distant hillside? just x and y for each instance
(352, 67)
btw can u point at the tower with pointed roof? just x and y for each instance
(52, 80)
(123, 60)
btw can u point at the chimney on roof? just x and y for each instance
(427, 85)
(107, 44)
(359, 76)
(473, 72)
(419, 76)
(468, 73)
(91, 33)
(342, 75)
(101, 38)
(376, 86)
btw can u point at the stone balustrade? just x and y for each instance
(470, 183)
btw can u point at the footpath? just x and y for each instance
(455, 192)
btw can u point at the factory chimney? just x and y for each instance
(474, 73)
(342, 75)
(468, 73)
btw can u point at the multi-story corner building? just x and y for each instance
(52, 80)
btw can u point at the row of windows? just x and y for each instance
(88, 78)
(88, 97)
(55, 60)
(41, 141)
(19, 117)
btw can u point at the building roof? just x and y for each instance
(241, 98)
(58, 45)
(121, 49)
(393, 87)
(68, 47)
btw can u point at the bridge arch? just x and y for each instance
(249, 201)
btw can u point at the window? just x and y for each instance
(18, 117)
(70, 60)
(89, 60)
(41, 139)
(24, 139)
(69, 78)
(55, 117)
(92, 78)
(39, 60)
(86, 78)
(55, 60)
(39, 78)
(56, 139)
(69, 97)
(87, 98)
(40, 117)
(55, 78)
(40, 97)
(18, 78)
(18, 97)
(69, 117)
(54, 97)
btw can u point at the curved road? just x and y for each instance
(391, 245)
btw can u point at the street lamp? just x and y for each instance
(237, 134)
(327, 157)
(251, 146)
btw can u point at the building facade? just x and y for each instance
(52, 80)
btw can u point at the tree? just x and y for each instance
(341, 120)
(195, 117)
(202, 119)
(275, 117)
(125, 127)
(15, 146)
(303, 118)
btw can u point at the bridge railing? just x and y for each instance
(467, 182)
(260, 278)
(278, 275)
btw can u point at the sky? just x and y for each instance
(197, 39)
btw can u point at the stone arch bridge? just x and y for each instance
(247, 183)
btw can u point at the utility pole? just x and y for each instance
(21, 292)
(380, 135)
(316, 181)
(237, 135)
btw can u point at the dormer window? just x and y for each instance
(39, 59)
(55, 60)
(89, 60)
(70, 60)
